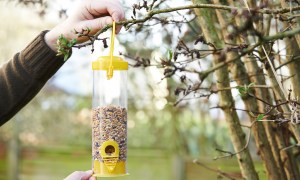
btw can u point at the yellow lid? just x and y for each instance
(103, 63)
(111, 62)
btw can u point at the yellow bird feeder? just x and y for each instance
(109, 122)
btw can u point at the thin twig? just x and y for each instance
(221, 173)
(290, 147)
(193, 6)
(231, 154)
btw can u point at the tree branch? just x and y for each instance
(221, 173)
(195, 6)
(231, 154)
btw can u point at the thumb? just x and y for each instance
(87, 175)
(98, 23)
(80, 175)
(95, 25)
(92, 178)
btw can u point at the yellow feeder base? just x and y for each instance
(101, 170)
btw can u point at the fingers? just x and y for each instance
(80, 175)
(100, 10)
(117, 13)
(118, 29)
(93, 14)
(92, 178)
(98, 23)
(86, 175)
(112, 7)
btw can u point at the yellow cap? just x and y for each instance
(110, 63)
(103, 63)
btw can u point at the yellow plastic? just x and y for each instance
(110, 159)
(111, 62)
(100, 169)
(103, 63)
(111, 166)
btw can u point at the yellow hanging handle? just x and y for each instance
(110, 70)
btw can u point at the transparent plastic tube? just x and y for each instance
(109, 124)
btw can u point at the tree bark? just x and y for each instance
(290, 165)
(264, 94)
(257, 77)
(242, 78)
(292, 51)
(207, 18)
(296, 36)
(275, 136)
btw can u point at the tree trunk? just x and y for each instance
(264, 94)
(294, 67)
(207, 19)
(290, 165)
(274, 133)
(240, 75)
(13, 151)
(286, 4)
(179, 145)
(292, 51)
(275, 136)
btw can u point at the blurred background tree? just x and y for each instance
(201, 76)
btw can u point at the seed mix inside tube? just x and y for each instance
(109, 123)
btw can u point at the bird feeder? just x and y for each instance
(109, 123)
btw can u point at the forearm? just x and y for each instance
(23, 77)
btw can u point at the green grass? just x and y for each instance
(53, 164)
(195, 171)
(3, 169)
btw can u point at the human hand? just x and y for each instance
(81, 175)
(92, 14)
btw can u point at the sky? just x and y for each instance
(76, 76)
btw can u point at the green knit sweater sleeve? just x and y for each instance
(22, 77)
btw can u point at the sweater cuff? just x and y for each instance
(40, 60)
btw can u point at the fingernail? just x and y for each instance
(116, 18)
(89, 172)
(92, 178)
